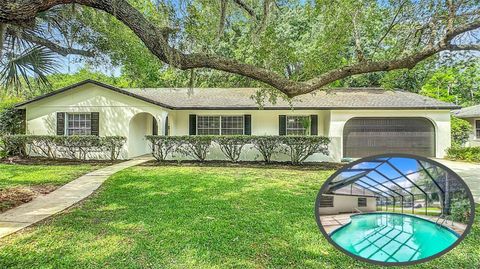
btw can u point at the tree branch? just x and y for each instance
(358, 42)
(390, 27)
(38, 40)
(453, 47)
(155, 39)
(247, 8)
(266, 12)
(223, 15)
(3, 30)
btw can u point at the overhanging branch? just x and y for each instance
(156, 40)
(247, 8)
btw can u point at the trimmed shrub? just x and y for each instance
(45, 145)
(266, 145)
(196, 146)
(73, 147)
(163, 145)
(77, 147)
(471, 154)
(113, 144)
(232, 146)
(461, 131)
(298, 148)
(301, 147)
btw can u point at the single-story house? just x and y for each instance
(472, 115)
(359, 121)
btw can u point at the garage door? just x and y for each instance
(369, 136)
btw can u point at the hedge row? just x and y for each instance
(298, 148)
(53, 146)
(471, 154)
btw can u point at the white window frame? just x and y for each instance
(67, 115)
(220, 122)
(306, 130)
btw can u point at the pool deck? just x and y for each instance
(333, 222)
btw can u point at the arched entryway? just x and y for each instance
(364, 137)
(141, 124)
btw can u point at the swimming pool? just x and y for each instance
(388, 237)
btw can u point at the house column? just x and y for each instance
(161, 120)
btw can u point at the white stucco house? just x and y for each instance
(359, 121)
(472, 115)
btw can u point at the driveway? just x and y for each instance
(469, 172)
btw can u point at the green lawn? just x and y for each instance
(19, 175)
(20, 183)
(432, 211)
(196, 217)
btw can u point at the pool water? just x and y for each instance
(392, 237)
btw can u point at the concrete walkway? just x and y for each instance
(45, 206)
(469, 172)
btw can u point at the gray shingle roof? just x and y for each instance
(468, 112)
(241, 98)
(339, 98)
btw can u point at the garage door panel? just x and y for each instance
(370, 136)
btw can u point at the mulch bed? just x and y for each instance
(15, 196)
(250, 164)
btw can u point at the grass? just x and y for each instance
(197, 217)
(14, 175)
(20, 183)
(431, 211)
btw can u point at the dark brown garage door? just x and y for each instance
(369, 136)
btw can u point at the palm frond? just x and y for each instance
(34, 63)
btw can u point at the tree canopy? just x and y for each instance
(293, 46)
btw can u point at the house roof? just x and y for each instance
(468, 112)
(241, 98)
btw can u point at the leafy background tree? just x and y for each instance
(299, 40)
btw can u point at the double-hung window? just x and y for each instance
(220, 125)
(477, 129)
(298, 125)
(78, 124)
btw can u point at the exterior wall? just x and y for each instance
(439, 118)
(116, 112)
(264, 122)
(473, 141)
(118, 117)
(344, 203)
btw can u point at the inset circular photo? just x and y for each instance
(395, 209)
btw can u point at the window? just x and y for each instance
(362, 202)
(220, 125)
(232, 125)
(477, 129)
(326, 201)
(298, 125)
(78, 124)
(208, 125)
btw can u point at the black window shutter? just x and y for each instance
(60, 123)
(282, 124)
(247, 124)
(154, 126)
(313, 124)
(95, 122)
(166, 126)
(192, 122)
